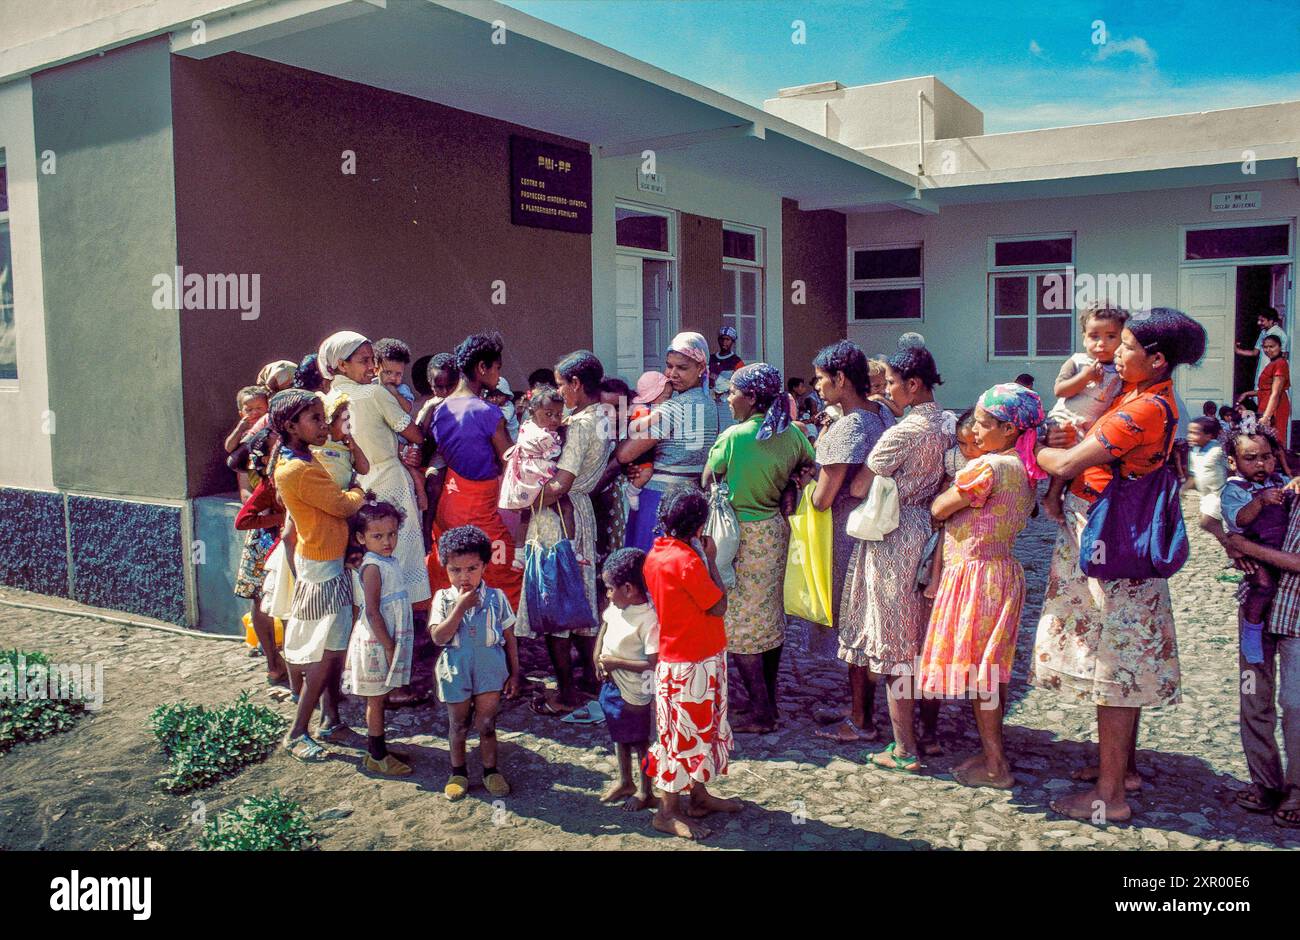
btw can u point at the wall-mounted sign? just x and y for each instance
(550, 185)
(651, 183)
(1236, 202)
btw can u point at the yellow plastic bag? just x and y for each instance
(808, 565)
(251, 638)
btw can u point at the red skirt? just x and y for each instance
(474, 502)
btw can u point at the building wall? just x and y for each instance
(410, 246)
(812, 250)
(691, 192)
(1124, 233)
(701, 274)
(25, 460)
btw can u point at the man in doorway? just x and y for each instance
(1269, 322)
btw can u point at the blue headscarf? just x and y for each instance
(764, 383)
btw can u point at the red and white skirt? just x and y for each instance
(694, 738)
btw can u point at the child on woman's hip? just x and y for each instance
(532, 463)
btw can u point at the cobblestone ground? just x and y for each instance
(93, 787)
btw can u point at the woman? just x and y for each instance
(582, 464)
(756, 458)
(680, 432)
(471, 437)
(1112, 643)
(883, 615)
(1272, 395)
(843, 379)
(347, 360)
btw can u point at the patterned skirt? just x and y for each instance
(1104, 642)
(258, 544)
(755, 618)
(694, 741)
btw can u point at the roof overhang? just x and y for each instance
(547, 78)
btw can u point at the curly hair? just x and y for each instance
(625, 566)
(1262, 431)
(372, 510)
(478, 349)
(391, 350)
(540, 395)
(464, 540)
(845, 358)
(582, 365)
(251, 391)
(1102, 311)
(307, 376)
(915, 362)
(683, 510)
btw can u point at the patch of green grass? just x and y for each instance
(1230, 578)
(203, 745)
(24, 719)
(260, 824)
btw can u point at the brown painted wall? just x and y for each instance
(813, 250)
(701, 275)
(409, 246)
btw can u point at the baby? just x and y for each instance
(653, 388)
(392, 356)
(1087, 384)
(531, 463)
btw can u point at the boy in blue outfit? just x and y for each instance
(1254, 504)
(475, 626)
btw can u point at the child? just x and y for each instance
(341, 456)
(1207, 463)
(625, 659)
(971, 640)
(392, 356)
(504, 398)
(694, 737)
(653, 388)
(1255, 505)
(531, 463)
(316, 634)
(475, 626)
(954, 460)
(1026, 380)
(251, 403)
(261, 517)
(443, 377)
(1086, 385)
(379, 653)
(877, 377)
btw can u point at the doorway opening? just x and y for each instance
(1259, 286)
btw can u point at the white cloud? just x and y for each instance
(1135, 45)
(1035, 49)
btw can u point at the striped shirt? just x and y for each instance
(1285, 617)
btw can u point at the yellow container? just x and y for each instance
(250, 637)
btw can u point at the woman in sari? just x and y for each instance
(579, 470)
(470, 434)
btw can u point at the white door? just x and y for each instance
(627, 312)
(1209, 295)
(656, 313)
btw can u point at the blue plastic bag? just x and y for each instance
(554, 589)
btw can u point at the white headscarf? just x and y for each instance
(335, 348)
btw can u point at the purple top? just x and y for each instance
(463, 428)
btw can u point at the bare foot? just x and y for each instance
(704, 803)
(677, 826)
(1088, 806)
(617, 791)
(979, 775)
(1132, 782)
(972, 761)
(848, 733)
(640, 801)
(753, 727)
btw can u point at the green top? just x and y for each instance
(757, 471)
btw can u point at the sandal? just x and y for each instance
(897, 764)
(545, 707)
(306, 749)
(327, 732)
(1257, 799)
(837, 733)
(1288, 817)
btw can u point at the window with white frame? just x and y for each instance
(1031, 302)
(886, 282)
(742, 287)
(8, 330)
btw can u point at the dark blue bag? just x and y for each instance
(554, 589)
(1135, 528)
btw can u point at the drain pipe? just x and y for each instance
(920, 133)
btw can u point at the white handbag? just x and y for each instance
(724, 529)
(877, 515)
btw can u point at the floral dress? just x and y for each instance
(883, 615)
(971, 642)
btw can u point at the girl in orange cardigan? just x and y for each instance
(320, 620)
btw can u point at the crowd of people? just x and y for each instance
(410, 536)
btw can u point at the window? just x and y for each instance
(644, 231)
(1238, 241)
(742, 287)
(8, 331)
(1031, 302)
(886, 282)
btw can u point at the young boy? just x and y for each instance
(1255, 505)
(251, 402)
(1087, 384)
(1209, 466)
(627, 648)
(475, 626)
(392, 356)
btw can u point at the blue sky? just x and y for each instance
(1025, 65)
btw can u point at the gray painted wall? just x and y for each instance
(108, 226)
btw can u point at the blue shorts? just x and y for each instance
(628, 724)
(465, 671)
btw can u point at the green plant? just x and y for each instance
(28, 719)
(259, 824)
(204, 745)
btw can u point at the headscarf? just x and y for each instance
(307, 375)
(1022, 408)
(335, 348)
(764, 383)
(729, 331)
(272, 369)
(333, 402)
(691, 345)
(287, 405)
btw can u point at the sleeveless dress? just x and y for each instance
(368, 670)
